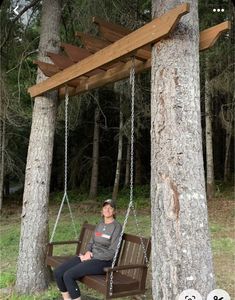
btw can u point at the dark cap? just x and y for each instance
(110, 202)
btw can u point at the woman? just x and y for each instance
(100, 253)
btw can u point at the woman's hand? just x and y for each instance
(88, 255)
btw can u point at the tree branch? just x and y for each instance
(27, 7)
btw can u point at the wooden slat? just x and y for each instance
(207, 39)
(50, 70)
(209, 36)
(92, 44)
(113, 32)
(47, 69)
(75, 53)
(95, 44)
(63, 62)
(152, 32)
(112, 75)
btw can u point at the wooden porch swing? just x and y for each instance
(102, 61)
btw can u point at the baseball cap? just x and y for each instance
(110, 202)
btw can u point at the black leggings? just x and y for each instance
(68, 272)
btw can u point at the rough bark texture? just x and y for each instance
(95, 158)
(209, 141)
(32, 274)
(181, 251)
(119, 158)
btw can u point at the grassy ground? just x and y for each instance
(221, 217)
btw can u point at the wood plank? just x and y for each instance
(209, 36)
(75, 53)
(113, 32)
(112, 75)
(95, 44)
(47, 69)
(63, 62)
(152, 32)
(50, 70)
(120, 73)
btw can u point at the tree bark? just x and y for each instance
(181, 251)
(127, 174)
(32, 274)
(95, 158)
(209, 135)
(119, 157)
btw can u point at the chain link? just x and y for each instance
(131, 204)
(65, 197)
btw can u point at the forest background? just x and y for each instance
(99, 111)
(99, 121)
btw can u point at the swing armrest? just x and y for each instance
(126, 267)
(51, 245)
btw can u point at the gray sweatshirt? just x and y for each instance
(105, 239)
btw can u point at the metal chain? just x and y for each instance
(131, 204)
(132, 82)
(65, 197)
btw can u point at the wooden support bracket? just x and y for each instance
(209, 36)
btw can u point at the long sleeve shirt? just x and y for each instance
(105, 239)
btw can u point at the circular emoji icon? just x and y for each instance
(218, 294)
(190, 294)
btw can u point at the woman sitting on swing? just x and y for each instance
(100, 253)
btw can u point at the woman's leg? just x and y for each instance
(59, 273)
(88, 267)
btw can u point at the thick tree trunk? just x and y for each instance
(209, 141)
(127, 173)
(95, 157)
(181, 251)
(119, 157)
(32, 274)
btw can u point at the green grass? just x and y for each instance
(223, 244)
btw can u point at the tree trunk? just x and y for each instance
(127, 174)
(119, 157)
(181, 251)
(32, 273)
(95, 158)
(209, 141)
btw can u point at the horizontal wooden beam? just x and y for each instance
(50, 70)
(112, 75)
(209, 36)
(120, 73)
(113, 32)
(95, 44)
(149, 33)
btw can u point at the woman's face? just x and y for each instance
(108, 211)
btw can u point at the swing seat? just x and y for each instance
(129, 274)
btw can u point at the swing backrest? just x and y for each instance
(85, 237)
(132, 253)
